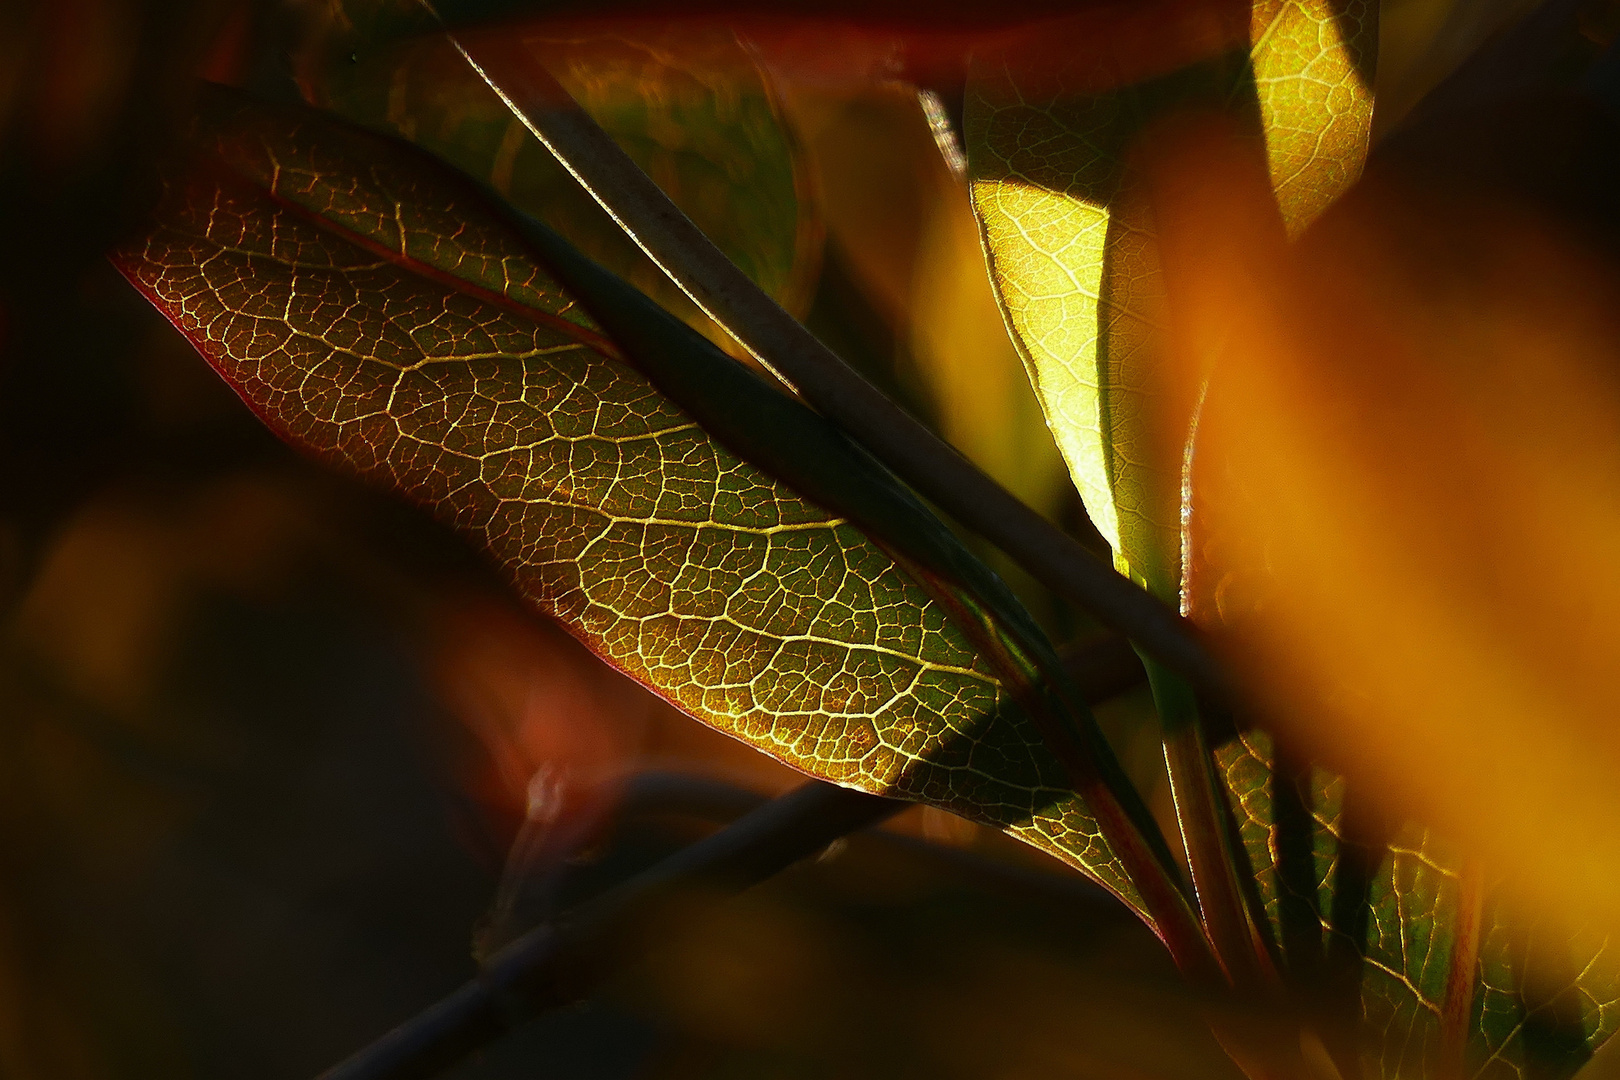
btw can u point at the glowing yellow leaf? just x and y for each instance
(1070, 240)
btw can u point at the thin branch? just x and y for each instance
(537, 866)
(1102, 668)
(553, 965)
(784, 346)
(1190, 770)
(662, 795)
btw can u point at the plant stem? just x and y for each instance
(1204, 833)
(661, 795)
(1457, 1008)
(785, 347)
(1102, 668)
(1149, 865)
(553, 965)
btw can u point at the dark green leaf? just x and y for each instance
(688, 104)
(1540, 999)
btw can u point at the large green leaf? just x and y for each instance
(1539, 998)
(688, 103)
(378, 311)
(1070, 238)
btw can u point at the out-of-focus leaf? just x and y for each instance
(1540, 998)
(687, 102)
(1070, 237)
(1412, 573)
(1055, 124)
(374, 309)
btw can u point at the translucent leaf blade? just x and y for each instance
(343, 285)
(1541, 998)
(1070, 239)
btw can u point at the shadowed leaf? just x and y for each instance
(379, 312)
(1541, 999)
(687, 102)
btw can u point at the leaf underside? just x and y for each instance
(376, 311)
(1072, 253)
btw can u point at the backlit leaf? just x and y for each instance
(376, 310)
(1409, 347)
(1070, 238)
(1541, 998)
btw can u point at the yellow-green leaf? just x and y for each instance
(1069, 236)
(378, 311)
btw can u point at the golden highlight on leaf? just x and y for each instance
(1312, 64)
(1046, 298)
(1070, 240)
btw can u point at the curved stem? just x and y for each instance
(1204, 834)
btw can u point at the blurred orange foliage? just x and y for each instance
(1404, 509)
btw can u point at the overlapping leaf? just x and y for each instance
(375, 310)
(1070, 239)
(687, 103)
(1538, 999)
